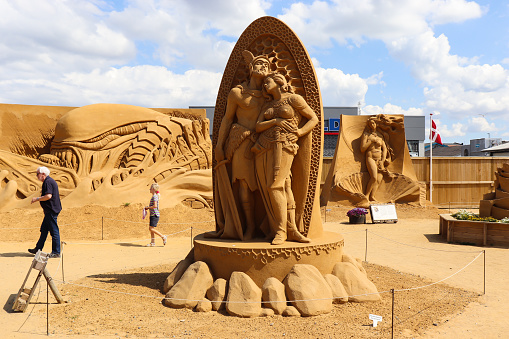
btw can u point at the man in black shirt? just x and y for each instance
(50, 203)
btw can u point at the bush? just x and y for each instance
(465, 215)
(357, 212)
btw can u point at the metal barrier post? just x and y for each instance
(47, 307)
(366, 249)
(62, 255)
(484, 284)
(392, 317)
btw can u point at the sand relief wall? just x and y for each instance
(104, 152)
(371, 163)
(496, 204)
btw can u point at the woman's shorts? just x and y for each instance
(153, 220)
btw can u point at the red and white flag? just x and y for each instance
(435, 134)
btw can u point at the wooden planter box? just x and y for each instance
(479, 233)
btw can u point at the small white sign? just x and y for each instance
(383, 213)
(376, 319)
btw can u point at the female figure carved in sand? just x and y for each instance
(374, 145)
(278, 128)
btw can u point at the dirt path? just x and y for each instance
(425, 255)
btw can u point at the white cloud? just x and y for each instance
(457, 130)
(193, 33)
(42, 37)
(450, 86)
(148, 86)
(340, 89)
(390, 109)
(454, 11)
(480, 124)
(355, 21)
(453, 84)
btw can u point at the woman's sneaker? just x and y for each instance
(54, 255)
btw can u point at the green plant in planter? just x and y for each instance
(465, 215)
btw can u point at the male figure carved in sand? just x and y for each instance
(377, 159)
(236, 135)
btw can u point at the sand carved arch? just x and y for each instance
(272, 37)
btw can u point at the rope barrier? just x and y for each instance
(218, 301)
(81, 222)
(162, 223)
(438, 282)
(120, 242)
(128, 221)
(353, 232)
(392, 291)
(423, 248)
(296, 300)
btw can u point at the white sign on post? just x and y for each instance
(376, 319)
(383, 213)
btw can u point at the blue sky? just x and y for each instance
(450, 57)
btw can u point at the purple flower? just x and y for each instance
(357, 212)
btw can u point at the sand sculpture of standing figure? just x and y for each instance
(279, 125)
(235, 139)
(374, 144)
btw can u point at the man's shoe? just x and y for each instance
(32, 250)
(54, 255)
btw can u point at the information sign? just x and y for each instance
(383, 213)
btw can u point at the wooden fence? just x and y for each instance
(458, 182)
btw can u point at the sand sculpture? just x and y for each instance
(269, 243)
(371, 163)
(105, 152)
(496, 204)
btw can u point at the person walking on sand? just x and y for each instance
(50, 203)
(153, 207)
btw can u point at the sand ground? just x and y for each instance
(121, 261)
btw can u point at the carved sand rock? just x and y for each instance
(308, 291)
(338, 290)
(357, 285)
(496, 204)
(267, 312)
(355, 261)
(203, 306)
(191, 288)
(291, 311)
(273, 295)
(178, 271)
(244, 297)
(217, 294)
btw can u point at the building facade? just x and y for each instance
(477, 147)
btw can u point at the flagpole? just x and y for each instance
(430, 158)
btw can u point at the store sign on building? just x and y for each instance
(331, 127)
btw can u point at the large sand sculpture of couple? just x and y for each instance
(258, 138)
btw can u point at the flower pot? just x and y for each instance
(361, 219)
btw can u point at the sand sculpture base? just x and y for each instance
(261, 260)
